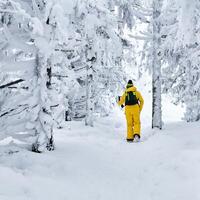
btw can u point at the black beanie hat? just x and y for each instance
(130, 82)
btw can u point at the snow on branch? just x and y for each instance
(16, 10)
(15, 109)
(140, 16)
(140, 37)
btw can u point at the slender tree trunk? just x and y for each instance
(89, 99)
(90, 60)
(44, 120)
(156, 73)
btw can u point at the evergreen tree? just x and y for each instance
(180, 50)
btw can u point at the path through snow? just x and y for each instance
(98, 164)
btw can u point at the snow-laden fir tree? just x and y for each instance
(181, 50)
(17, 66)
(97, 28)
(50, 45)
(31, 41)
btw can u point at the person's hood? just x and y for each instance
(131, 89)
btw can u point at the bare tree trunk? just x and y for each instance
(156, 73)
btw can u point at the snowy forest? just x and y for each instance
(63, 64)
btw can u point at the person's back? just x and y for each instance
(133, 106)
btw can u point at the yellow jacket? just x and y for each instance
(138, 95)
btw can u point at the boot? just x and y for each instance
(136, 137)
(129, 140)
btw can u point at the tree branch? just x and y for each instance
(13, 109)
(11, 83)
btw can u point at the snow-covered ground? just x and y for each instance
(98, 164)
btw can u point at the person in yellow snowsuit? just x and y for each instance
(133, 106)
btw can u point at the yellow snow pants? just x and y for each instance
(133, 120)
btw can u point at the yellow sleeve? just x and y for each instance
(122, 100)
(141, 100)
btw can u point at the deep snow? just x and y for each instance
(98, 164)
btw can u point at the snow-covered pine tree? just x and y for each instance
(17, 64)
(96, 26)
(29, 40)
(188, 41)
(134, 17)
(49, 44)
(181, 50)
